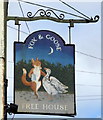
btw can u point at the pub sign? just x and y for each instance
(44, 73)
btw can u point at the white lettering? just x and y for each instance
(47, 36)
(56, 42)
(27, 106)
(30, 106)
(31, 43)
(54, 107)
(58, 48)
(51, 38)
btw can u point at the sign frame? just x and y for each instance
(66, 45)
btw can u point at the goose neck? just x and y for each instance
(47, 75)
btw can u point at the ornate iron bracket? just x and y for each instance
(49, 14)
(46, 13)
(92, 20)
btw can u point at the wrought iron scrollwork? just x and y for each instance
(40, 11)
(49, 12)
(46, 13)
(29, 14)
(96, 18)
(51, 15)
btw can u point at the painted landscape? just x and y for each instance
(65, 74)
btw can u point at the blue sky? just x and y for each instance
(87, 39)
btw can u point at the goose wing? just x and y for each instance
(56, 82)
(58, 85)
(50, 89)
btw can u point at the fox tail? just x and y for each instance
(23, 78)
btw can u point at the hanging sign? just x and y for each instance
(44, 72)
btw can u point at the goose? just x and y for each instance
(52, 85)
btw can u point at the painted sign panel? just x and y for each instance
(44, 72)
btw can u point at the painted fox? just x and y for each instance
(35, 74)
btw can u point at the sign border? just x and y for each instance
(60, 114)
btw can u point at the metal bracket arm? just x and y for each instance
(96, 18)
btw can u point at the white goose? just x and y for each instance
(52, 85)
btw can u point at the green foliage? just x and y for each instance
(65, 74)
